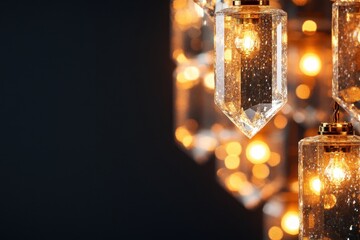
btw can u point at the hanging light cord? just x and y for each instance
(336, 113)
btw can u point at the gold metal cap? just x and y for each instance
(343, 128)
(250, 2)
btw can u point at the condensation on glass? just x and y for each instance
(329, 175)
(250, 62)
(346, 55)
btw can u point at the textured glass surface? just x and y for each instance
(329, 175)
(346, 56)
(250, 61)
(252, 170)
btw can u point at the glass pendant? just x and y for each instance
(329, 175)
(346, 55)
(250, 62)
(196, 127)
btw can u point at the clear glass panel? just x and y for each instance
(346, 56)
(329, 187)
(250, 65)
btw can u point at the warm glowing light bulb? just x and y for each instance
(290, 223)
(337, 171)
(310, 64)
(258, 152)
(315, 185)
(247, 40)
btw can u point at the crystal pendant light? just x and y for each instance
(346, 55)
(250, 63)
(196, 128)
(329, 178)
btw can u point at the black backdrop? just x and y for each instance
(86, 129)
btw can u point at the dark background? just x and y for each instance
(87, 148)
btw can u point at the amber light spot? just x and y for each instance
(275, 159)
(315, 185)
(209, 81)
(261, 171)
(303, 91)
(233, 148)
(275, 233)
(232, 162)
(258, 152)
(235, 181)
(310, 64)
(280, 121)
(290, 222)
(309, 27)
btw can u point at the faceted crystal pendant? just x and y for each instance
(346, 56)
(250, 61)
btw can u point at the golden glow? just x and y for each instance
(315, 185)
(206, 142)
(300, 2)
(280, 121)
(191, 73)
(309, 27)
(275, 233)
(274, 160)
(310, 64)
(235, 181)
(232, 162)
(187, 141)
(294, 186)
(261, 171)
(337, 170)
(209, 81)
(303, 91)
(290, 223)
(246, 189)
(329, 201)
(233, 148)
(258, 152)
(179, 56)
(220, 152)
(178, 4)
(183, 135)
(248, 40)
(228, 55)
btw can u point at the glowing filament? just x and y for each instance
(247, 40)
(337, 170)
